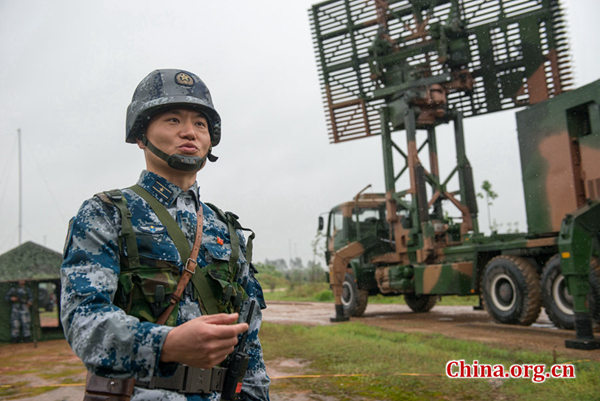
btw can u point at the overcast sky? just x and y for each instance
(68, 69)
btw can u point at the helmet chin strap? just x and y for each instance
(180, 162)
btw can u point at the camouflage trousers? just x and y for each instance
(20, 320)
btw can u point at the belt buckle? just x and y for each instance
(198, 380)
(187, 263)
(217, 378)
(174, 382)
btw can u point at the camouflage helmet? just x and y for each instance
(166, 89)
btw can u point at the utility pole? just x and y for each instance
(20, 188)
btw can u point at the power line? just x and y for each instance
(41, 174)
(5, 241)
(20, 189)
(5, 172)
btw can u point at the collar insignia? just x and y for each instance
(161, 191)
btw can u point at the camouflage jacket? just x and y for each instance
(24, 295)
(114, 344)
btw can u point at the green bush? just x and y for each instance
(324, 296)
(307, 292)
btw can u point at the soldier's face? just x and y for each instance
(178, 131)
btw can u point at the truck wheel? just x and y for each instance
(555, 295)
(420, 303)
(557, 300)
(354, 300)
(511, 290)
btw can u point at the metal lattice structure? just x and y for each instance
(514, 52)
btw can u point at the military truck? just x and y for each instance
(514, 273)
(408, 66)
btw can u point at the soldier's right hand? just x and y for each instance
(203, 342)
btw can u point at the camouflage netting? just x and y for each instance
(40, 268)
(30, 261)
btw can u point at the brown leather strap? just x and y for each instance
(98, 388)
(188, 270)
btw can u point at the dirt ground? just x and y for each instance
(455, 321)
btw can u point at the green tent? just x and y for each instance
(40, 268)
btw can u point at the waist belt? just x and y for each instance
(189, 380)
(185, 380)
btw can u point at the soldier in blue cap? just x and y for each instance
(155, 281)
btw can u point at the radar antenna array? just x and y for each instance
(486, 55)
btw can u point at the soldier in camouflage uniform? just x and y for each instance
(109, 305)
(20, 300)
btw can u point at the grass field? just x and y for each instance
(320, 292)
(357, 362)
(374, 364)
(344, 362)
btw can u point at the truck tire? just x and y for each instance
(557, 301)
(354, 300)
(420, 303)
(511, 290)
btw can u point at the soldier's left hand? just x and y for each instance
(203, 342)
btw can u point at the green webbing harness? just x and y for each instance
(116, 197)
(204, 291)
(233, 225)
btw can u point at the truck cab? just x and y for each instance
(356, 220)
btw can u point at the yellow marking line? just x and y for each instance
(372, 374)
(289, 377)
(46, 385)
(272, 378)
(352, 375)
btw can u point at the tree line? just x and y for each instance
(278, 273)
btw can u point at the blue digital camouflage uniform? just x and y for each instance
(20, 318)
(114, 344)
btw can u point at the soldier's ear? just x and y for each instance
(140, 144)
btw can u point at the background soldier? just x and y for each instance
(129, 253)
(20, 300)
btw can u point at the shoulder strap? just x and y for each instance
(188, 271)
(178, 237)
(115, 197)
